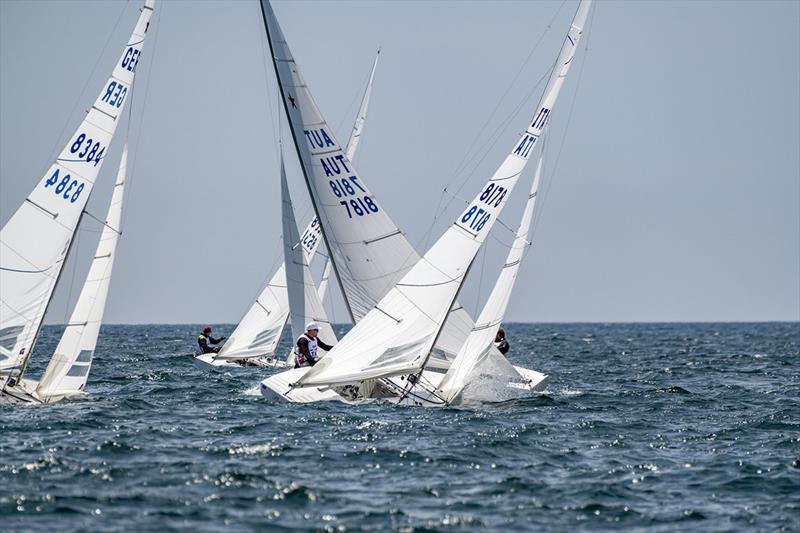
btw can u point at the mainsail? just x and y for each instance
(397, 336)
(369, 252)
(35, 241)
(69, 367)
(260, 330)
(304, 303)
(480, 340)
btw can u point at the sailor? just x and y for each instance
(305, 349)
(205, 340)
(500, 341)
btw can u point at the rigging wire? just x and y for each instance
(472, 152)
(486, 150)
(79, 99)
(536, 45)
(74, 261)
(539, 212)
(68, 303)
(133, 160)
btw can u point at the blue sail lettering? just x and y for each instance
(541, 118)
(328, 140)
(342, 161)
(524, 146)
(325, 167)
(318, 139)
(130, 59)
(115, 94)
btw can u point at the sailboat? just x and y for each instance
(37, 239)
(400, 340)
(255, 339)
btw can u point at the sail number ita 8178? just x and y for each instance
(476, 217)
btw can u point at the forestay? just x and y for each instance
(397, 336)
(260, 330)
(36, 240)
(304, 303)
(369, 252)
(69, 367)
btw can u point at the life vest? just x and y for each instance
(299, 357)
(205, 346)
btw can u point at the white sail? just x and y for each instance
(304, 303)
(369, 252)
(397, 336)
(35, 241)
(260, 330)
(69, 367)
(481, 339)
(358, 126)
(324, 281)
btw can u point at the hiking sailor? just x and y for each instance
(305, 349)
(500, 341)
(205, 340)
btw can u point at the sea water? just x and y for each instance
(654, 427)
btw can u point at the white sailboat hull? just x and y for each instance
(26, 393)
(277, 388)
(537, 381)
(209, 362)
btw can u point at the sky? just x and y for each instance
(672, 174)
